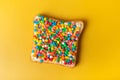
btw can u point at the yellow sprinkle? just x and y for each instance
(69, 29)
(63, 34)
(51, 48)
(75, 43)
(72, 28)
(77, 28)
(66, 57)
(35, 33)
(65, 26)
(46, 40)
(40, 41)
(62, 26)
(57, 42)
(45, 18)
(60, 59)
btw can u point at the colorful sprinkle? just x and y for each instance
(41, 60)
(55, 41)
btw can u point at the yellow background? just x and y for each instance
(99, 56)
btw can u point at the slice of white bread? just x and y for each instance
(55, 41)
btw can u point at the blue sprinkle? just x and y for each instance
(49, 56)
(77, 35)
(61, 22)
(42, 17)
(39, 54)
(69, 23)
(35, 30)
(37, 47)
(53, 23)
(44, 32)
(68, 61)
(33, 51)
(35, 42)
(54, 43)
(57, 31)
(68, 49)
(71, 57)
(39, 35)
(65, 54)
(69, 35)
(36, 22)
(60, 53)
(41, 60)
(50, 37)
(68, 38)
(74, 26)
(73, 49)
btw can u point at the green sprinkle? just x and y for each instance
(66, 52)
(39, 15)
(67, 60)
(57, 31)
(65, 44)
(42, 56)
(49, 49)
(53, 34)
(62, 46)
(38, 47)
(69, 23)
(42, 21)
(73, 60)
(50, 28)
(50, 20)
(57, 52)
(58, 39)
(35, 42)
(63, 29)
(61, 22)
(46, 18)
(65, 37)
(58, 59)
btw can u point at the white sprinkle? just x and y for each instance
(51, 56)
(62, 62)
(47, 53)
(66, 23)
(73, 57)
(45, 45)
(43, 40)
(76, 38)
(47, 36)
(70, 58)
(68, 32)
(62, 42)
(35, 59)
(69, 55)
(36, 17)
(78, 24)
(40, 38)
(32, 54)
(52, 38)
(35, 25)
